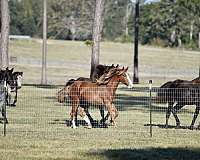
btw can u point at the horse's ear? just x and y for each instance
(100, 67)
(126, 69)
(117, 66)
(11, 70)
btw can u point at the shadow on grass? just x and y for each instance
(172, 126)
(43, 86)
(149, 154)
(95, 123)
(125, 102)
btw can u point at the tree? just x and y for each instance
(69, 19)
(135, 60)
(44, 48)
(5, 19)
(96, 37)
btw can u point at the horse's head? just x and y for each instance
(124, 77)
(121, 75)
(18, 76)
(7, 77)
(61, 95)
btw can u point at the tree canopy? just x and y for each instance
(72, 20)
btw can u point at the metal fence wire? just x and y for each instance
(39, 114)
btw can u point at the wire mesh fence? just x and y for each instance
(39, 114)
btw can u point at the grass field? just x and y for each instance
(38, 127)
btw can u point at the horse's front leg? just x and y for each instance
(112, 111)
(196, 113)
(115, 115)
(15, 99)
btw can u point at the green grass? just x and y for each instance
(37, 130)
(37, 127)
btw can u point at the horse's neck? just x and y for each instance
(112, 85)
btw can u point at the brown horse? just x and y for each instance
(98, 72)
(179, 93)
(82, 94)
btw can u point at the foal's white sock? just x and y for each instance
(73, 123)
(87, 121)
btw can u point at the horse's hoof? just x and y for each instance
(191, 127)
(13, 105)
(166, 126)
(74, 127)
(89, 127)
(178, 126)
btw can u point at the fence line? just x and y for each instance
(140, 109)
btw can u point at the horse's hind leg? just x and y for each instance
(168, 112)
(82, 113)
(102, 121)
(196, 113)
(88, 115)
(4, 115)
(74, 112)
(177, 107)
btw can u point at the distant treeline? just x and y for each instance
(164, 23)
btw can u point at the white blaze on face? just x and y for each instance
(130, 83)
(19, 81)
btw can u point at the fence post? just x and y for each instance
(150, 106)
(4, 110)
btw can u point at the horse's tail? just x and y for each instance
(61, 95)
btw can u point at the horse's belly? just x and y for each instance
(91, 99)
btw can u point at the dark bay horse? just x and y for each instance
(82, 94)
(179, 93)
(17, 85)
(6, 84)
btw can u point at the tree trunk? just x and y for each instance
(135, 60)
(44, 48)
(5, 20)
(191, 30)
(128, 11)
(97, 29)
(199, 39)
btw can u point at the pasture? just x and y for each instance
(38, 127)
(68, 59)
